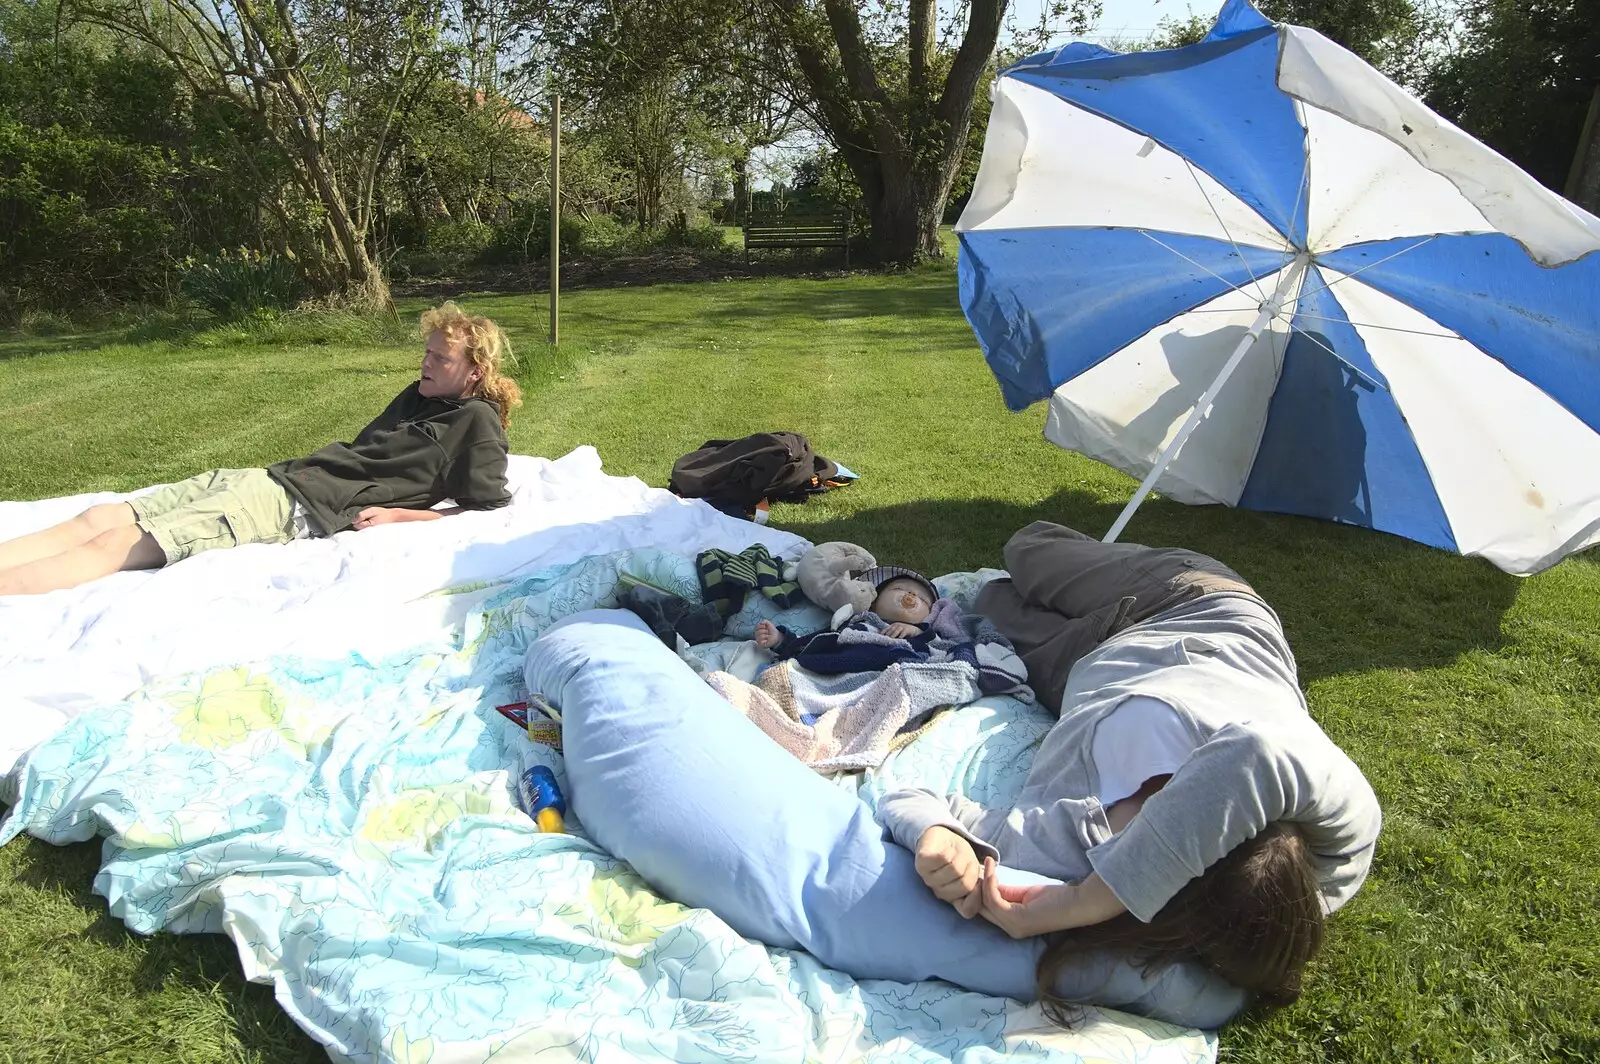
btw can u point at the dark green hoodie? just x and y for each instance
(415, 454)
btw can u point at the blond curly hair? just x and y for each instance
(485, 343)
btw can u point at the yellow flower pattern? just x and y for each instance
(230, 705)
(416, 816)
(628, 914)
(233, 705)
(402, 1050)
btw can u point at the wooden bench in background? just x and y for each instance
(830, 230)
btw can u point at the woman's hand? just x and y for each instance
(378, 515)
(949, 866)
(1023, 912)
(386, 515)
(901, 630)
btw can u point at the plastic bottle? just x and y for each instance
(541, 798)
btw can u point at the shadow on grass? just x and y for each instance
(131, 326)
(627, 270)
(206, 964)
(314, 327)
(1352, 600)
(18, 345)
(924, 293)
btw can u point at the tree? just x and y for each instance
(677, 92)
(466, 155)
(1170, 33)
(895, 97)
(1520, 76)
(1583, 180)
(635, 73)
(1392, 35)
(110, 173)
(649, 128)
(1383, 32)
(750, 101)
(324, 78)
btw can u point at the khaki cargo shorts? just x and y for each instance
(221, 508)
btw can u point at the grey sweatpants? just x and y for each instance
(1069, 592)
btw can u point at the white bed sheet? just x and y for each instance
(71, 651)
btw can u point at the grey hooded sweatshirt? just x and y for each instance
(1222, 663)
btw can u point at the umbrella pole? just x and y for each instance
(1272, 308)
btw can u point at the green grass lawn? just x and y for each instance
(1468, 696)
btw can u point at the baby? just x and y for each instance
(908, 624)
(901, 609)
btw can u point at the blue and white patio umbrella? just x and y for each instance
(1411, 323)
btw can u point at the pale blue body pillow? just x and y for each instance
(667, 776)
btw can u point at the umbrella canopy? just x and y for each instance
(1411, 323)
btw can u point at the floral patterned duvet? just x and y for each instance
(349, 825)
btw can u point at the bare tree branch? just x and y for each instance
(863, 79)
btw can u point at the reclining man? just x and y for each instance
(443, 437)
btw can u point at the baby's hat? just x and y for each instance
(882, 574)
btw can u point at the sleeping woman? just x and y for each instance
(1186, 799)
(1199, 823)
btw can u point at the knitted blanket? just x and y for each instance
(850, 721)
(949, 635)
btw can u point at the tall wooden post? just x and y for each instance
(555, 220)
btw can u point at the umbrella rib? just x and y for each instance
(1385, 328)
(1337, 357)
(1273, 336)
(1369, 266)
(1305, 172)
(1231, 286)
(1218, 216)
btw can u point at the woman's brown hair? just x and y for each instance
(1254, 918)
(485, 343)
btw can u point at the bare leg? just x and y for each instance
(68, 534)
(125, 547)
